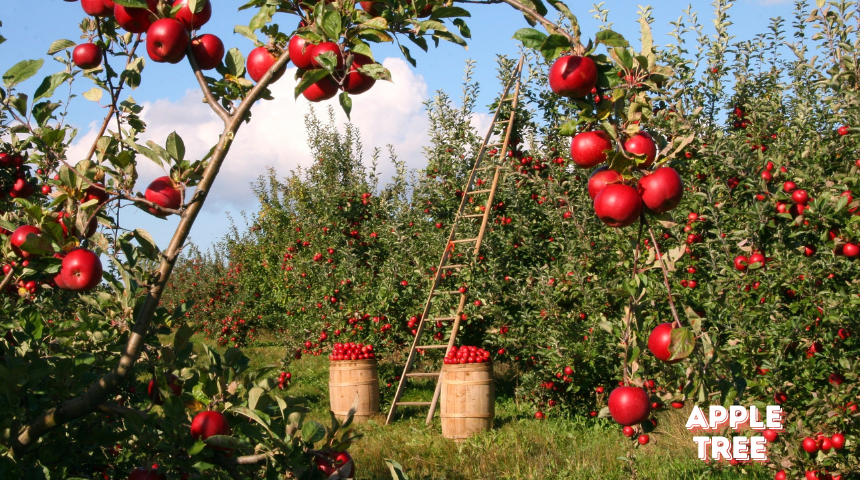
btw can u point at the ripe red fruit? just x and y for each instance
(21, 189)
(800, 197)
(96, 8)
(155, 395)
(628, 431)
(642, 144)
(618, 205)
(209, 423)
(164, 193)
(539, 415)
(260, 60)
(843, 130)
(766, 176)
(96, 192)
(600, 178)
(825, 444)
(321, 90)
(677, 405)
(136, 20)
(851, 250)
(789, 186)
(323, 48)
(629, 405)
(143, 473)
(46, 189)
(335, 461)
(81, 270)
(166, 40)
(192, 21)
(757, 258)
(300, 52)
(19, 236)
(87, 56)
(780, 475)
(643, 439)
(208, 50)
(573, 76)
(659, 340)
(741, 263)
(356, 82)
(837, 440)
(780, 397)
(587, 149)
(662, 190)
(568, 371)
(770, 435)
(810, 445)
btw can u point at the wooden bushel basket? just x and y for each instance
(468, 399)
(349, 379)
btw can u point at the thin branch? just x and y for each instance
(117, 409)
(665, 277)
(7, 279)
(223, 114)
(549, 26)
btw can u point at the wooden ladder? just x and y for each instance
(444, 265)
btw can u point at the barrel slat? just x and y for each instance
(349, 379)
(467, 404)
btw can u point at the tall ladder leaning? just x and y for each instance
(453, 240)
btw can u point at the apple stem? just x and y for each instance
(665, 274)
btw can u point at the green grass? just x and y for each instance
(518, 448)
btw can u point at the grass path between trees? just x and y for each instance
(519, 447)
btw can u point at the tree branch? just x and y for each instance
(99, 392)
(7, 279)
(117, 409)
(223, 114)
(665, 277)
(549, 26)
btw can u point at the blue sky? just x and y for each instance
(390, 113)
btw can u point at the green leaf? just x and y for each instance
(345, 103)
(21, 71)
(198, 447)
(610, 39)
(331, 24)
(396, 470)
(49, 84)
(553, 46)
(132, 3)
(94, 94)
(313, 432)
(60, 45)
(223, 441)
(568, 128)
(530, 37)
(310, 77)
(447, 12)
(682, 344)
(175, 147)
(181, 337)
(235, 62)
(247, 33)
(196, 6)
(464, 29)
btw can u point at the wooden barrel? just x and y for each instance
(467, 399)
(349, 379)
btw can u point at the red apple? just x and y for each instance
(155, 395)
(96, 8)
(21, 188)
(300, 52)
(587, 149)
(166, 40)
(789, 186)
(780, 475)
(96, 192)
(659, 340)
(208, 50)
(334, 462)
(810, 445)
(800, 197)
(142, 473)
(757, 258)
(136, 20)
(19, 236)
(81, 270)
(323, 48)
(375, 9)
(770, 435)
(209, 423)
(164, 193)
(602, 177)
(843, 130)
(321, 90)
(851, 250)
(573, 76)
(355, 81)
(838, 441)
(87, 56)
(260, 60)
(642, 144)
(618, 205)
(628, 431)
(662, 190)
(629, 405)
(192, 21)
(643, 439)
(780, 397)
(741, 263)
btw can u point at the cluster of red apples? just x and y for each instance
(167, 40)
(351, 351)
(617, 202)
(466, 354)
(80, 271)
(21, 186)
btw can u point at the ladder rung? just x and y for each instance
(412, 404)
(433, 346)
(423, 374)
(497, 144)
(481, 169)
(473, 215)
(443, 319)
(451, 267)
(502, 121)
(509, 99)
(446, 292)
(475, 192)
(465, 240)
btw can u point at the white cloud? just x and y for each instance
(390, 113)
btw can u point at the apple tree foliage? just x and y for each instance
(334, 256)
